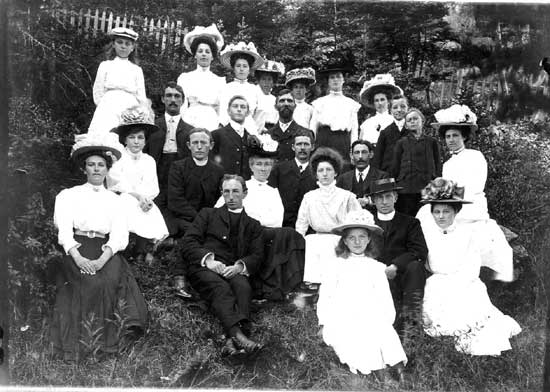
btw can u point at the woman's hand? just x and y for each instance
(84, 264)
(145, 204)
(391, 271)
(103, 259)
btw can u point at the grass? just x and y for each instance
(183, 343)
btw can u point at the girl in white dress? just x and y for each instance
(266, 115)
(355, 304)
(241, 59)
(202, 88)
(323, 209)
(119, 82)
(468, 168)
(377, 94)
(134, 176)
(298, 81)
(456, 302)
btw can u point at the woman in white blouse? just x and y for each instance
(94, 283)
(334, 119)
(134, 176)
(202, 87)
(242, 59)
(322, 210)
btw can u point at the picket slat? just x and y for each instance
(103, 20)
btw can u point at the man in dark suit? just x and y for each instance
(169, 142)
(360, 179)
(222, 248)
(404, 251)
(193, 183)
(294, 178)
(283, 132)
(383, 153)
(231, 143)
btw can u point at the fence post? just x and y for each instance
(87, 23)
(110, 23)
(117, 21)
(96, 23)
(103, 16)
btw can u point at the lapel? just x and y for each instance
(241, 238)
(279, 135)
(234, 136)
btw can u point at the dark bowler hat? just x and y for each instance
(385, 185)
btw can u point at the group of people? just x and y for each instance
(268, 197)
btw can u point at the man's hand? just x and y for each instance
(391, 271)
(232, 270)
(215, 265)
(364, 201)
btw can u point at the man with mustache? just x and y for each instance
(360, 179)
(283, 132)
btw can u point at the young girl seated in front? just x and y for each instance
(135, 177)
(355, 304)
(119, 82)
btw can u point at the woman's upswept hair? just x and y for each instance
(455, 206)
(373, 249)
(100, 153)
(327, 154)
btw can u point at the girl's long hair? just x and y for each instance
(373, 249)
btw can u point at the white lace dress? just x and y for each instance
(456, 302)
(356, 311)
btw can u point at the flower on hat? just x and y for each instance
(240, 46)
(97, 139)
(268, 144)
(210, 31)
(380, 79)
(442, 189)
(456, 114)
(300, 74)
(137, 115)
(272, 66)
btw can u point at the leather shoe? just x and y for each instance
(244, 343)
(181, 287)
(229, 349)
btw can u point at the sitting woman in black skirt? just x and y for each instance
(94, 283)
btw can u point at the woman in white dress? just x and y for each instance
(202, 88)
(119, 83)
(242, 59)
(334, 120)
(266, 115)
(355, 304)
(377, 94)
(94, 282)
(134, 177)
(456, 302)
(468, 168)
(322, 210)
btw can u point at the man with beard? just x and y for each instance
(295, 178)
(168, 144)
(360, 179)
(283, 133)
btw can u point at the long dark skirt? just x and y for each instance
(283, 269)
(95, 310)
(338, 140)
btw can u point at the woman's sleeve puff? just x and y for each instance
(118, 236)
(63, 220)
(99, 83)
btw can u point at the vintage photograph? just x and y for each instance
(277, 194)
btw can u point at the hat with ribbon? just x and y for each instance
(272, 67)
(456, 116)
(210, 35)
(380, 83)
(361, 219)
(384, 185)
(124, 32)
(303, 75)
(97, 143)
(441, 190)
(137, 117)
(241, 47)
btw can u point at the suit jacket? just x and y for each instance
(190, 190)
(210, 233)
(347, 180)
(383, 153)
(156, 141)
(292, 186)
(285, 139)
(231, 151)
(403, 242)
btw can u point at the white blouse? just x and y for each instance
(372, 126)
(90, 208)
(302, 113)
(119, 74)
(266, 111)
(134, 173)
(262, 203)
(338, 112)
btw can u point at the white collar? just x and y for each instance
(458, 151)
(176, 118)
(133, 156)
(400, 123)
(284, 126)
(201, 69)
(364, 172)
(95, 188)
(256, 182)
(298, 101)
(237, 211)
(385, 217)
(239, 128)
(336, 93)
(200, 163)
(121, 58)
(298, 163)
(240, 81)
(447, 230)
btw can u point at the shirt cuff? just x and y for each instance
(244, 271)
(206, 256)
(72, 245)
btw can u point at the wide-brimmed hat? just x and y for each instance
(241, 47)
(124, 32)
(303, 75)
(381, 83)
(361, 219)
(273, 67)
(210, 32)
(456, 116)
(384, 185)
(442, 190)
(340, 61)
(95, 143)
(262, 151)
(135, 117)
